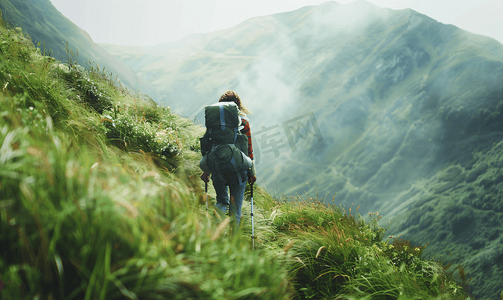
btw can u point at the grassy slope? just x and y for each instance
(99, 199)
(54, 32)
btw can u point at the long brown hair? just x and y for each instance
(231, 96)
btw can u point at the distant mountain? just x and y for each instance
(391, 110)
(47, 26)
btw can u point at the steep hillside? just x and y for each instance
(100, 198)
(369, 75)
(55, 34)
(370, 104)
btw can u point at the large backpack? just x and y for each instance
(223, 147)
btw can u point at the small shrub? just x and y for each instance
(403, 252)
(88, 91)
(128, 133)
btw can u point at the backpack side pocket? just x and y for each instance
(205, 144)
(242, 143)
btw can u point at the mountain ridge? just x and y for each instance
(57, 35)
(398, 99)
(393, 112)
(101, 198)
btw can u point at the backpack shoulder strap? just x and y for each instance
(222, 117)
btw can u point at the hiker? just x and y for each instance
(236, 182)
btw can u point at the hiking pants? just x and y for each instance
(237, 190)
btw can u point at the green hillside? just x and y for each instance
(53, 33)
(100, 199)
(369, 104)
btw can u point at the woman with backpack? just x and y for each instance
(236, 182)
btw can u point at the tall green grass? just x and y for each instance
(96, 201)
(338, 254)
(100, 199)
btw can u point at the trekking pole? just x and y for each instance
(206, 193)
(253, 231)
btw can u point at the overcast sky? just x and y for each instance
(152, 22)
